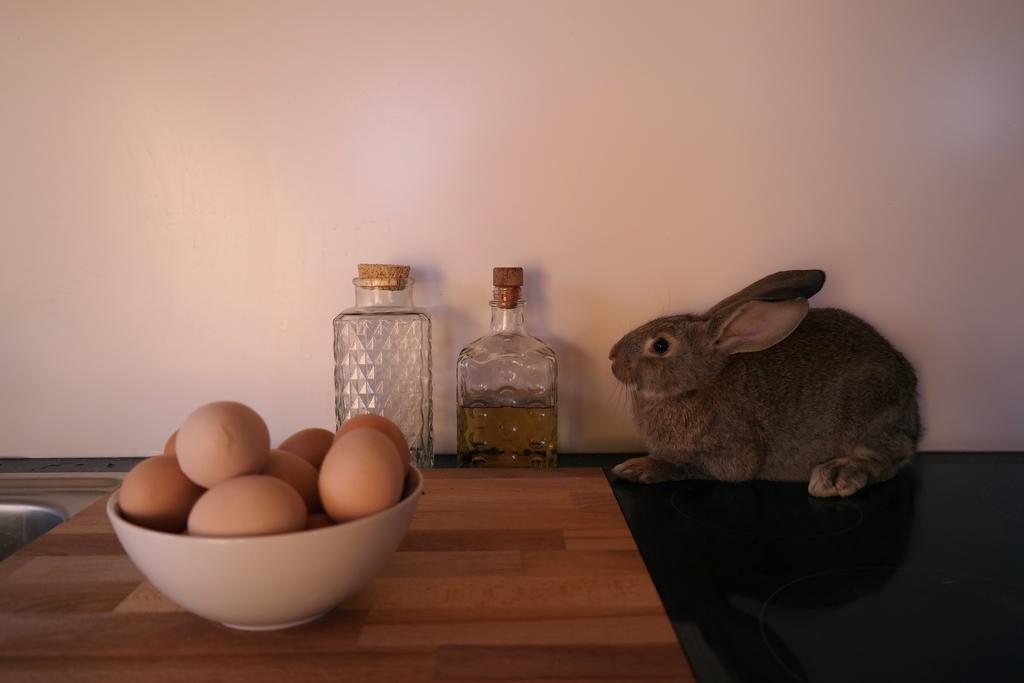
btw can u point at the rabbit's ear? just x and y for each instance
(755, 325)
(788, 284)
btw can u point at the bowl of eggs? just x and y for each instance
(264, 538)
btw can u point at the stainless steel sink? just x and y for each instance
(32, 504)
(22, 523)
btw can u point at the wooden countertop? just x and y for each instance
(504, 575)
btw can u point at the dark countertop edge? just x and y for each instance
(33, 465)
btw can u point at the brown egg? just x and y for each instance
(156, 494)
(383, 425)
(222, 440)
(310, 444)
(362, 474)
(252, 505)
(318, 520)
(169, 446)
(297, 473)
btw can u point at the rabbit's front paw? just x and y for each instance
(645, 470)
(840, 477)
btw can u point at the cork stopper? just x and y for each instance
(508, 285)
(508, 277)
(383, 271)
(383, 275)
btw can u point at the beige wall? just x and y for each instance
(186, 188)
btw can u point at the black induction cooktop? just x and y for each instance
(917, 579)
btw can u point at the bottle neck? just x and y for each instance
(508, 320)
(390, 297)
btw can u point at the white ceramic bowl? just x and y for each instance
(268, 582)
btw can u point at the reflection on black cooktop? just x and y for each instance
(790, 513)
(926, 625)
(919, 578)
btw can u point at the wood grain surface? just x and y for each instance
(503, 576)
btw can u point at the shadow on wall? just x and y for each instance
(445, 323)
(583, 406)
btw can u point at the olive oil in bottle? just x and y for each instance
(507, 389)
(507, 437)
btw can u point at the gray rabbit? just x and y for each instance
(760, 387)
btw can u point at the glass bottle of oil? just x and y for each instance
(507, 389)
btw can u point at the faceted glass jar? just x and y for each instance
(507, 394)
(382, 362)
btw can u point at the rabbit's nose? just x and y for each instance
(611, 354)
(618, 370)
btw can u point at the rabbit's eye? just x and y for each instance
(660, 346)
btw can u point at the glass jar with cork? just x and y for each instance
(507, 388)
(382, 357)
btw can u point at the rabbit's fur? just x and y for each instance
(760, 387)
